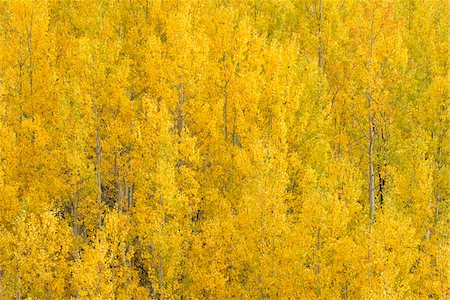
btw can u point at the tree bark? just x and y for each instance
(371, 133)
(225, 111)
(75, 213)
(180, 119)
(371, 169)
(319, 33)
(98, 152)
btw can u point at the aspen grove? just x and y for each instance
(224, 149)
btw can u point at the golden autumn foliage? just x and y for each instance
(232, 149)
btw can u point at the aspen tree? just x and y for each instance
(224, 149)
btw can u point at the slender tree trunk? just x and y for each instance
(319, 245)
(150, 279)
(130, 195)
(225, 111)
(75, 213)
(30, 51)
(118, 185)
(368, 263)
(180, 119)
(47, 292)
(440, 164)
(161, 275)
(98, 151)
(381, 183)
(76, 230)
(371, 168)
(19, 294)
(371, 171)
(319, 33)
(160, 265)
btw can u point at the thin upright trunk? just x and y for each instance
(150, 279)
(119, 205)
(319, 33)
(130, 195)
(19, 293)
(161, 274)
(98, 152)
(75, 213)
(368, 262)
(146, 9)
(236, 137)
(371, 168)
(440, 164)
(318, 249)
(76, 230)
(371, 120)
(47, 292)
(180, 119)
(381, 183)
(161, 266)
(438, 190)
(225, 111)
(30, 51)
(125, 192)
(118, 185)
(319, 245)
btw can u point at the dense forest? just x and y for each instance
(224, 149)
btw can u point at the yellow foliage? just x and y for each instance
(225, 149)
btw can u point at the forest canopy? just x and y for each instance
(224, 149)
